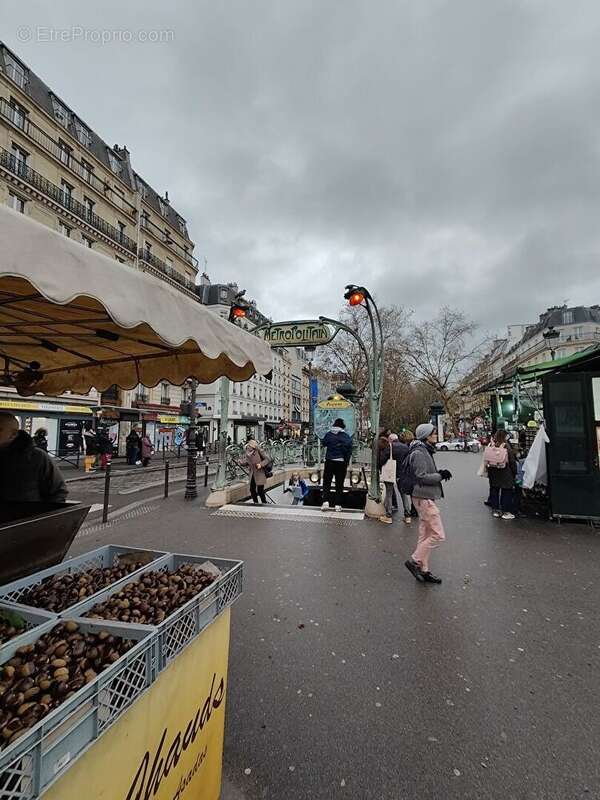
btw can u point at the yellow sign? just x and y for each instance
(169, 745)
(339, 403)
(23, 405)
(169, 418)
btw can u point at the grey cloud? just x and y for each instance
(443, 152)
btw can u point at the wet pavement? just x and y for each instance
(349, 679)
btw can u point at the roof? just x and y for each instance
(537, 371)
(42, 95)
(553, 318)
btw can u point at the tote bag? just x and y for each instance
(388, 471)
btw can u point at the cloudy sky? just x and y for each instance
(440, 151)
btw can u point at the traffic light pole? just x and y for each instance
(191, 490)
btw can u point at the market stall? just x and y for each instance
(137, 679)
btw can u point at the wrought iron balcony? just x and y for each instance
(17, 76)
(149, 258)
(19, 168)
(167, 239)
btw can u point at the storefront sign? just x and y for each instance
(169, 745)
(327, 411)
(24, 405)
(297, 334)
(169, 419)
(335, 403)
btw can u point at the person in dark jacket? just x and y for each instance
(405, 481)
(105, 448)
(27, 473)
(337, 457)
(427, 489)
(133, 447)
(40, 439)
(502, 480)
(90, 447)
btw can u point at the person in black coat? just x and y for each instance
(502, 480)
(27, 473)
(40, 439)
(133, 447)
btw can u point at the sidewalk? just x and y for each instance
(348, 679)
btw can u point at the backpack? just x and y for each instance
(407, 478)
(495, 457)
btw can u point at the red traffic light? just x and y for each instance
(356, 298)
(237, 312)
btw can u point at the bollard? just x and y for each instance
(167, 478)
(206, 471)
(106, 494)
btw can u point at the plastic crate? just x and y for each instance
(183, 625)
(33, 617)
(102, 557)
(44, 753)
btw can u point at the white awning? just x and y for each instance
(89, 321)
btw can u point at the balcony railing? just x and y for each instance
(19, 168)
(167, 239)
(171, 272)
(142, 398)
(165, 401)
(17, 76)
(40, 137)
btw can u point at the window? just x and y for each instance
(170, 263)
(67, 193)
(165, 393)
(84, 135)
(15, 71)
(567, 317)
(89, 243)
(122, 228)
(16, 203)
(64, 229)
(17, 114)
(88, 204)
(118, 197)
(145, 219)
(148, 248)
(163, 206)
(578, 332)
(20, 155)
(61, 112)
(182, 227)
(87, 171)
(115, 163)
(66, 152)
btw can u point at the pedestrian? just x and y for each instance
(133, 446)
(501, 463)
(27, 473)
(258, 461)
(427, 489)
(40, 439)
(387, 472)
(90, 447)
(297, 486)
(147, 450)
(405, 482)
(337, 456)
(105, 448)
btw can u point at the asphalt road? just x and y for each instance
(349, 679)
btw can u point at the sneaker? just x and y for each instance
(496, 514)
(507, 515)
(325, 507)
(408, 520)
(385, 519)
(429, 578)
(338, 508)
(413, 567)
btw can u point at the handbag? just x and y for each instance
(482, 471)
(388, 471)
(268, 467)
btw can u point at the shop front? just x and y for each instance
(62, 421)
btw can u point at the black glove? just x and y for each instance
(446, 474)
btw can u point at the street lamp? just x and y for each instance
(360, 296)
(239, 310)
(191, 490)
(551, 335)
(310, 351)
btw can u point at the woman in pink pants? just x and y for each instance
(428, 488)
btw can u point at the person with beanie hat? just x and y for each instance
(427, 489)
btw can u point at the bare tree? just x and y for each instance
(439, 353)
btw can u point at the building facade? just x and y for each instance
(260, 408)
(55, 169)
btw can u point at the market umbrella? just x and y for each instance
(73, 319)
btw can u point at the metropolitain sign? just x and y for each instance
(303, 333)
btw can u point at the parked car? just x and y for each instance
(458, 445)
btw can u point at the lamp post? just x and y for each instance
(311, 412)
(360, 296)
(550, 336)
(191, 490)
